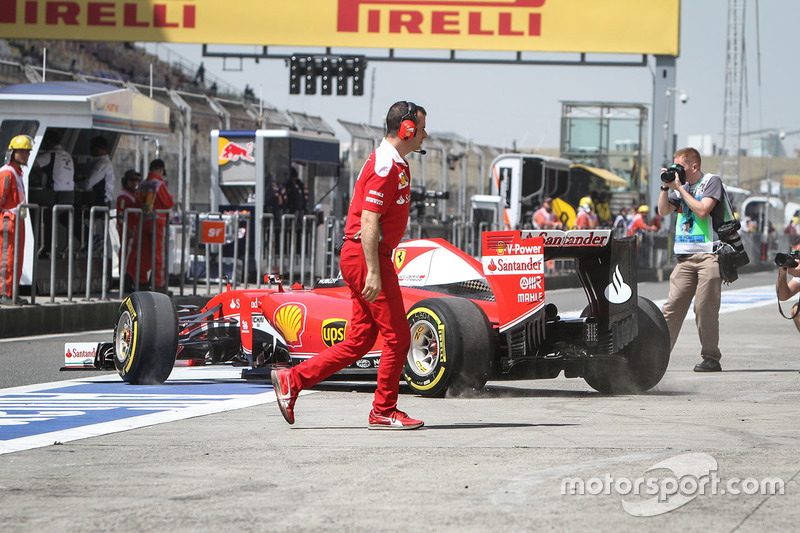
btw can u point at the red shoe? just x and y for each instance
(397, 420)
(283, 392)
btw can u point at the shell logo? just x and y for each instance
(501, 248)
(290, 319)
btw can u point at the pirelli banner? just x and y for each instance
(602, 26)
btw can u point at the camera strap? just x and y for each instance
(728, 215)
(796, 310)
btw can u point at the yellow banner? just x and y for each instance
(791, 181)
(618, 26)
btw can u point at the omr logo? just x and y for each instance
(487, 17)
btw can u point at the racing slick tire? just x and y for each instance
(452, 347)
(647, 357)
(146, 338)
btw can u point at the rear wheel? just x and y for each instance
(146, 338)
(647, 357)
(452, 346)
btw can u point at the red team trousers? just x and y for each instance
(386, 315)
(7, 232)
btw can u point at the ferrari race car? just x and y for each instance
(471, 321)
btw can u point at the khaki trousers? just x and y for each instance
(696, 276)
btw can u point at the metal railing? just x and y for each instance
(105, 252)
(298, 250)
(18, 221)
(54, 249)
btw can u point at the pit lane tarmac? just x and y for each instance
(498, 461)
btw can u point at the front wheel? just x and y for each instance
(452, 346)
(146, 338)
(647, 357)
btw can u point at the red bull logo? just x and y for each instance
(487, 17)
(230, 151)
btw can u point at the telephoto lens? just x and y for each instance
(786, 260)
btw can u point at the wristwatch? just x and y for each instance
(664, 188)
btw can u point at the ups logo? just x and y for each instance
(333, 330)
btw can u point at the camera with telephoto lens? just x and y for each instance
(789, 260)
(729, 233)
(674, 171)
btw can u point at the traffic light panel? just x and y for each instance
(304, 70)
(296, 70)
(358, 76)
(326, 74)
(341, 77)
(311, 76)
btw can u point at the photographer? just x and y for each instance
(784, 288)
(696, 197)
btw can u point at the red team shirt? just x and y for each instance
(383, 186)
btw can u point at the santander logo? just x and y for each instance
(618, 292)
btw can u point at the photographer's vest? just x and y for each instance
(695, 235)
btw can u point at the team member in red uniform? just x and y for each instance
(12, 195)
(154, 196)
(127, 199)
(544, 217)
(639, 222)
(585, 218)
(376, 222)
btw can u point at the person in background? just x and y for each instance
(12, 196)
(585, 218)
(621, 223)
(793, 227)
(639, 222)
(56, 172)
(154, 196)
(296, 196)
(127, 199)
(696, 275)
(603, 210)
(56, 164)
(784, 288)
(545, 217)
(376, 222)
(656, 222)
(101, 172)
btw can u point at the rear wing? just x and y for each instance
(513, 263)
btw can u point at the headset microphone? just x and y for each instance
(421, 152)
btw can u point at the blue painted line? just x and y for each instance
(43, 414)
(731, 301)
(23, 415)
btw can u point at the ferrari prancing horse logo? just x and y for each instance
(399, 258)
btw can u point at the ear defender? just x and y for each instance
(407, 127)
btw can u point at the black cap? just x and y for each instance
(130, 174)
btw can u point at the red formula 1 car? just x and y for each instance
(471, 321)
